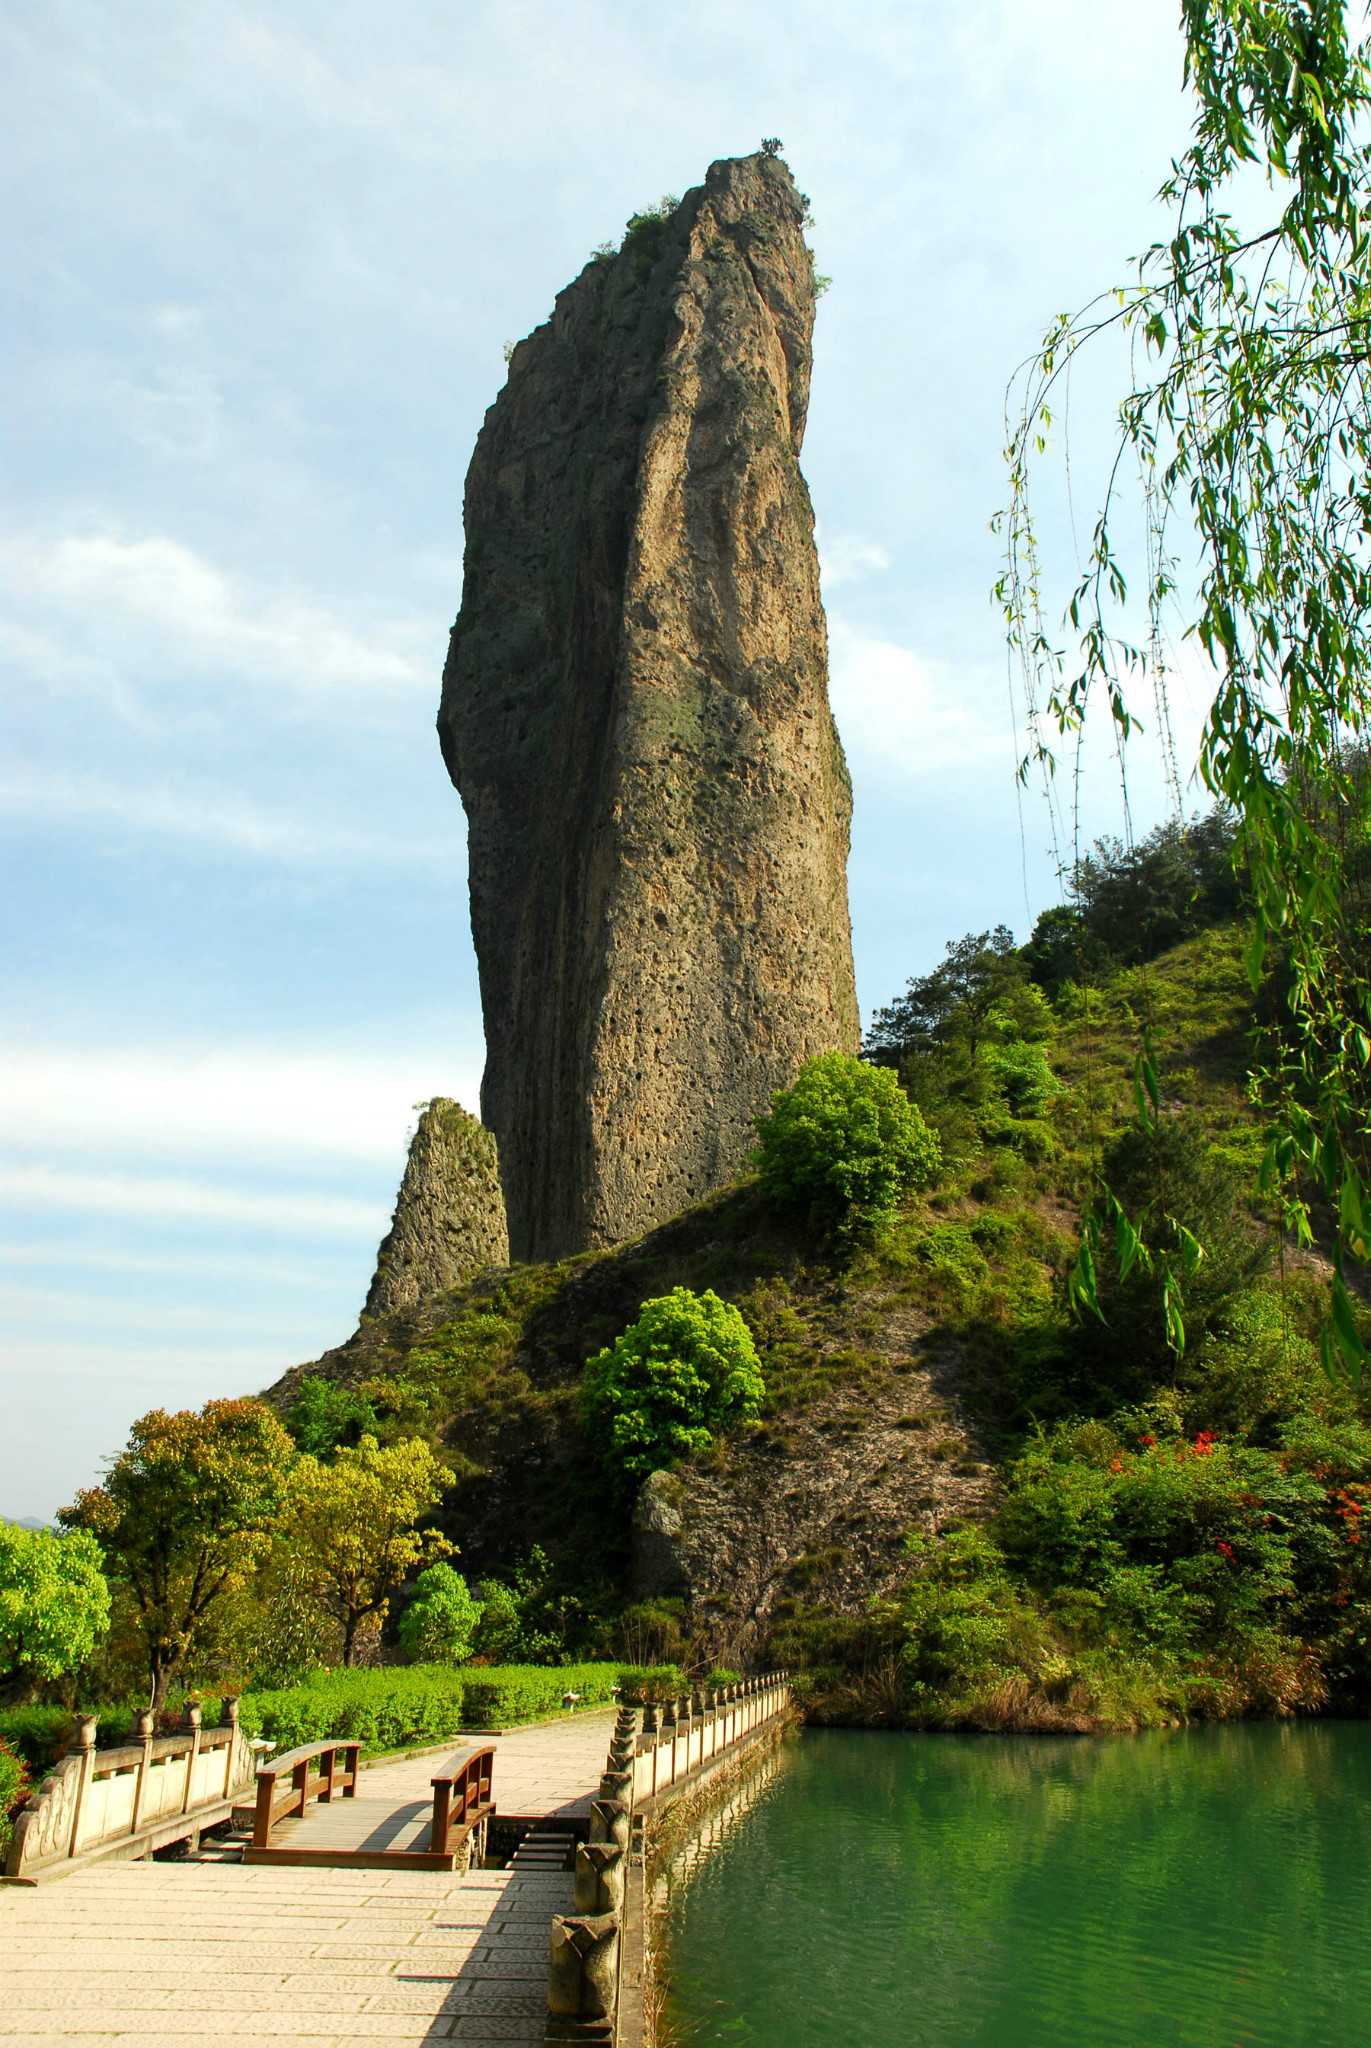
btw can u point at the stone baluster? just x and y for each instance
(190, 1722)
(236, 1747)
(617, 1785)
(650, 1719)
(609, 1821)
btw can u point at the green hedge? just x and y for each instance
(411, 1706)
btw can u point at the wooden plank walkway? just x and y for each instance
(184, 1952)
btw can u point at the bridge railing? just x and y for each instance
(589, 1973)
(323, 1771)
(130, 1800)
(310, 1772)
(461, 1801)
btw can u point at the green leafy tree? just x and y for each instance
(844, 1143)
(351, 1526)
(439, 1625)
(54, 1604)
(1249, 419)
(953, 1003)
(183, 1516)
(326, 1413)
(1130, 903)
(686, 1369)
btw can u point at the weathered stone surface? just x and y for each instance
(635, 712)
(449, 1215)
(817, 1506)
(658, 1565)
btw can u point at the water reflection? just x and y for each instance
(1202, 1888)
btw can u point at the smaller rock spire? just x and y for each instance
(449, 1215)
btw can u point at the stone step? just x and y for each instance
(545, 1849)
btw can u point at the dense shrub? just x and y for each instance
(410, 1708)
(685, 1369)
(1132, 903)
(528, 1619)
(1171, 1175)
(844, 1143)
(639, 1683)
(14, 1790)
(1132, 1572)
(440, 1622)
(38, 1734)
(326, 1413)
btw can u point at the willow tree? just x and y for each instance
(1248, 427)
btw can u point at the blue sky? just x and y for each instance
(261, 265)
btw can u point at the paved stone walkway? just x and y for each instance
(179, 1953)
(176, 1953)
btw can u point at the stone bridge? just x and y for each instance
(337, 1933)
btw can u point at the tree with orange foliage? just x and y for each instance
(184, 1514)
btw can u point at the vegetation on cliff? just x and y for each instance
(1096, 1531)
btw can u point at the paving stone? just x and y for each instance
(172, 1955)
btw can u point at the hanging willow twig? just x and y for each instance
(1250, 420)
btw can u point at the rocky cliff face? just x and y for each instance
(635, 712)
(449, 1215)
(816, 1506)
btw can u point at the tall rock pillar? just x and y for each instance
(635, 711)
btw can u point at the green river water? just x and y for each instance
(1196, 1888)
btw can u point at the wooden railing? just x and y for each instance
(128, 1801)
(462, 1801)
(328, 1780)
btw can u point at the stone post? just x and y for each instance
(599, 1877)
(228, 1718)
(141, 1731)
(610, 1821)
(583, 1977)
(616, 1786)
(191, 1720)
(82, 1745)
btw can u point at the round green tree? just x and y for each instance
(844, 1143)
(685, 1370)
(439, 1625)
(54, 1603)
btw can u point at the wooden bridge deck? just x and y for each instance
(181, 1952)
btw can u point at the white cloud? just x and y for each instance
(179, 415)
(47, 1306)
(266, 1272)
(173, 1200)
(903, 716)
(170, 612)
(225, 1101)
(206, 816)
(847, 558)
